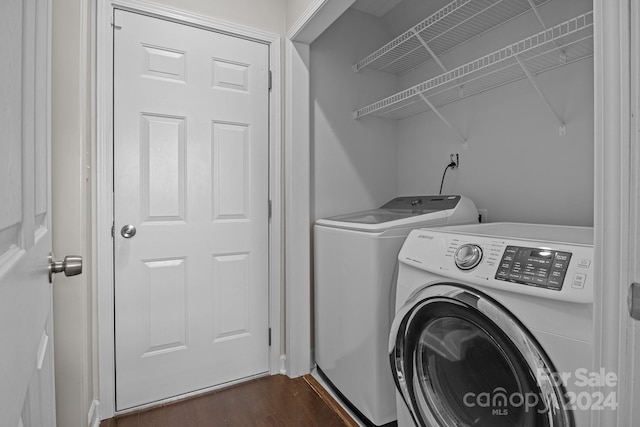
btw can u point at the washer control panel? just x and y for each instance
(554, 262)
(538, 267)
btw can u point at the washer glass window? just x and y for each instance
(461, 367)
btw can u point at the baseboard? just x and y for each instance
(283, 364)
(93, 418)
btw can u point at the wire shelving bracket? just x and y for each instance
(563, 128)
(461, 138)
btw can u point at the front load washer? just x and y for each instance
(493, 326)
(355, 258)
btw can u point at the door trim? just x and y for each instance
(612, 222)
(102, 161)
(318, 16)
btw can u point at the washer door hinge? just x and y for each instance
(269, 337)
(113, 230)
(270, 79)
(269, 209)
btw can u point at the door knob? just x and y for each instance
(128, 231)
(71, 266)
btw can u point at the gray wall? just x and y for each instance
(354, 161)
(517, 166)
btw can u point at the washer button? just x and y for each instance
(579, 280)
(584, 263)
(554, 283)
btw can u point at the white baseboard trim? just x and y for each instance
(283, 364)
(93, 418)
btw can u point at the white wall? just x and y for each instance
(295, 9)
(517, 166)
(354, 161)
(267, 15)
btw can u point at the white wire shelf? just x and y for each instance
(449, 27)
(555, 47)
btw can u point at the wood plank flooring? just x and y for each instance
(265, 402)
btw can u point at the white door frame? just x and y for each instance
(103, 190)
(299, 225)
(612, 181)
(630, 383)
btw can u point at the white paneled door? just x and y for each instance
(26, 333)
(191, 208)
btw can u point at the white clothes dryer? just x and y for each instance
(355, 258)
(493, 326)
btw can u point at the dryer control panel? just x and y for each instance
(545, 268)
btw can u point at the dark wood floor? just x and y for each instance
(270, 401)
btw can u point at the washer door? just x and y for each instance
(460, 359)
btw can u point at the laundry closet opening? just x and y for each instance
(505, 88)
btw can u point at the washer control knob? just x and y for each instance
(468, 256)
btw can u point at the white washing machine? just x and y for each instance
(355, 258)
(493, 326)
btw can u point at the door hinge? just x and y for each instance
(113, 230)
(270, 79)
(633, 300)
(269, 337)
(269, 209)
(115, 25)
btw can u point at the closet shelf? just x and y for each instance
(449, 27)
(555, 47)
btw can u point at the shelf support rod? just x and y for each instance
(446, 122)
(433, 55)
(563, 129)
(563, 56)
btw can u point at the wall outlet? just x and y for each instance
(455, 158)
(482, 215)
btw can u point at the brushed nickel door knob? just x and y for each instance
(70, 266)
(128, 231)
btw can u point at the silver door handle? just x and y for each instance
(71, 266)
(128, 231)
